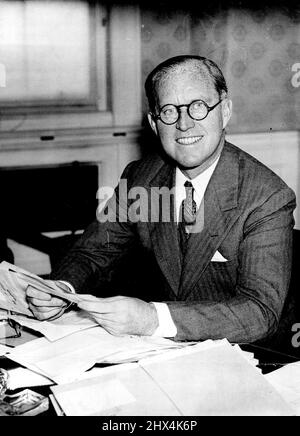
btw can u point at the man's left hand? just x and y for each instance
(122, 315)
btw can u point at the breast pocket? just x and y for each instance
(221, 278)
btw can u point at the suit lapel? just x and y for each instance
(164, 235)
(220, 212)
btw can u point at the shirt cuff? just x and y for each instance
(166, 327)
(70, 287)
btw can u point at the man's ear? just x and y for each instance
(152, 123)
(227, 111)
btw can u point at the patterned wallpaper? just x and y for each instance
(255, 50)
(164, 33)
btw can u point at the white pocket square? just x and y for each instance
(217, 257)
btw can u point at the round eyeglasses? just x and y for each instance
(197, 110)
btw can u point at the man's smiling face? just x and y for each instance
(192, 144)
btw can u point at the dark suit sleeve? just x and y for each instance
(102, 245)
(264, 267)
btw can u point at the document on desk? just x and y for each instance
(201, 380)
(120, 390)
(65, 359)
(286, 381)
(229, 385)
(24, 378)
(67, 324)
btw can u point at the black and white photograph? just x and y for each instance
(149, 225)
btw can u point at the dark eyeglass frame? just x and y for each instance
(208, 108)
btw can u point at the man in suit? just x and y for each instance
(223, 257)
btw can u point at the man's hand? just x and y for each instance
(122, 315)
(45, 306)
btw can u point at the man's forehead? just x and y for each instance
(184, 79)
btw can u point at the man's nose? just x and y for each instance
(184, 121)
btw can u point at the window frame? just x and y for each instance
(97, 76)
(117, 47)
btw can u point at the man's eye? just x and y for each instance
(168, 111)
(198, 105)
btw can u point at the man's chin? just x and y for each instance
(186, 165)
(190, 171)
(193, 169)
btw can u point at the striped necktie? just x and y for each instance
(189, 207)
(188, 212)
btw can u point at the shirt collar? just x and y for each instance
(199, 182)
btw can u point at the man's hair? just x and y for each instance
(198, 63)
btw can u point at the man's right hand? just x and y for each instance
(45, 306)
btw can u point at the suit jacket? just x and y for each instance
(248, 219)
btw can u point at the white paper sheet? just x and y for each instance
(92, 398)
(214, 381)
(206, 379)
(66, 358)
(24, 378)
(286, 381)
(131, 380)
(67, 324)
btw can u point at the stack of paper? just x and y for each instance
(67, 324)
(211, 378)
(205, 379)
(21, 377)
(74, 342)
(66, 358)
